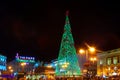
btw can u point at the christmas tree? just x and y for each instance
(67, 64)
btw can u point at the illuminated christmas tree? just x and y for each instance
(67, 64)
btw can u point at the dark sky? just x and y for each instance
(35, 27)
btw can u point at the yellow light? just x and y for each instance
(81, 51)
(84, 70)
(63, 66)
(109, 68)
(23, 64)
(67, 63)
(91, 49)
(11, 70)
(49, 66)
(91, 59)
(9, 67)
(95, 59)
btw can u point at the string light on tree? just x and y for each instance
(67, 53)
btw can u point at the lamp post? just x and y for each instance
(93, 59)
(10, 69)
(87, 52)
(23, 65)
(93, 66)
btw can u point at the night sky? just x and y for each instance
(35, 27)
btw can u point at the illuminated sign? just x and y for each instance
(24, 58)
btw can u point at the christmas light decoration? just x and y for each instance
(67, 64)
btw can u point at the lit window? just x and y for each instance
(101, 62)
(109, 61)
(115, 60)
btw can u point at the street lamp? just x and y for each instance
(93, 59)
(86, 51)
(90, 51)
(10, 69)
(23, 65)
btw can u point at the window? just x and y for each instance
(109, 61)
(115, 60)
(101, 61)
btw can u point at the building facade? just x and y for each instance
(22, 64)
(108, 63)
(2, 63)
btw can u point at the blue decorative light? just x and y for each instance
(3, 62)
